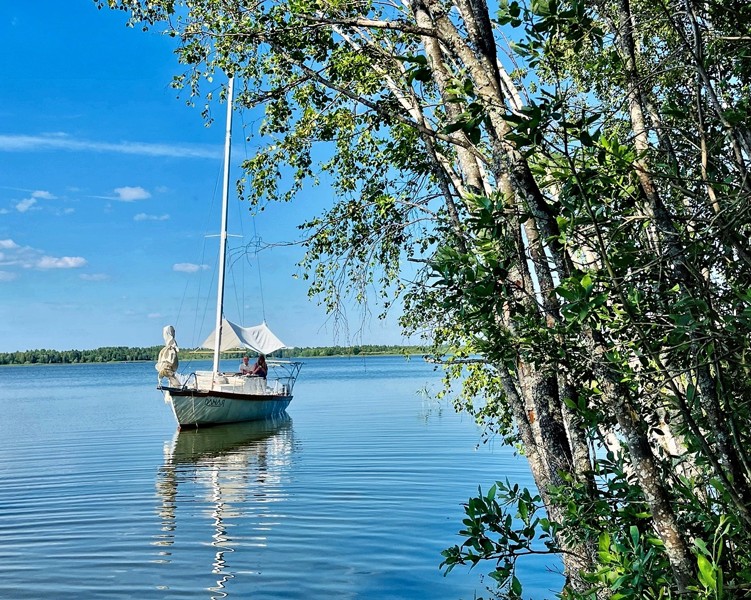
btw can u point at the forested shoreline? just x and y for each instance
(150, 353)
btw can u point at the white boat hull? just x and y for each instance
(196, 408)
(206, 398)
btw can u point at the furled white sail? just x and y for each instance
(166, 364)
(258, 338)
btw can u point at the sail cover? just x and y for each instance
(258, 338)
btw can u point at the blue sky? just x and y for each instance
(109, 185)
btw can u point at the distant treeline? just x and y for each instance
(123, 353)
(366, 349)
(99, 355)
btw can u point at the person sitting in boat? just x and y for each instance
(245, 368)
(260, 369)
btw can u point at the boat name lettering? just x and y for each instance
(215, 402)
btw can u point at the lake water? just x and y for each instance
(353, 496)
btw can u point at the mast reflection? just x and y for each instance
(226, 471)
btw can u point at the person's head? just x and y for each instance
(262, 359)
(245, 359)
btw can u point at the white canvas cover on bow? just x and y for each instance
(258, 338)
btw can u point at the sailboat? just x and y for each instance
(213, 397)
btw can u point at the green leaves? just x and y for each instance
(418, 69)
(710, 574)
(581, 300)
(707, 572)
(631, 565)
(493, 533)
(509, 13)
(469, 122)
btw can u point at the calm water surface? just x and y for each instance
(354, 495)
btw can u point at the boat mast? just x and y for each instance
(223, 233)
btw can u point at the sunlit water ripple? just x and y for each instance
(354, 495)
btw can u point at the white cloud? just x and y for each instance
(25, 204)
(19, 257)
(26, 257)
(154, 316)
(62, 262)
(7, 276)
(31, 202)
(94, 276)
(145, 217)
(62, 141)
(189, 267)
(131, 194)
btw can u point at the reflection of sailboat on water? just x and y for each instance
(231, 474)
(198, 445)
